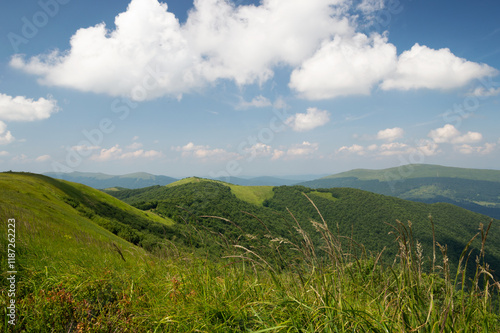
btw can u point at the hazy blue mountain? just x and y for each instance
(477, 190)
(102, 181)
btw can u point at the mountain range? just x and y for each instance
(101, 180)
(477, 190)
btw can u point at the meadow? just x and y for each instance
(74, 275)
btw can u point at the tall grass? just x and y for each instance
(78, 283)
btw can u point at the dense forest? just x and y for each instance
(359, 217)
(480, 196)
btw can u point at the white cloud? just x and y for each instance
(423, 67)
(112, 153)
(423, 147)
(390, 134)
(483, 92)
(393, 148)
(244, 43)
(370, 6)
(303, 149)
(345, 66)
(313, 118)
(257, 102)
(117, 153)
(141, 154)
(205, 152)
(280, 103)
(150, 51)
(84, 148)
(150, 54)
(43, 158)
(145, 57)
(259, 150)
(21, 158)
(5, 136)
(428, 147)
(20, 108)
(135, 145)
(354, 149)
(449, 134)
(277, 154)
(484, 150)
(4, 153)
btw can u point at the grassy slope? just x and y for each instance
(252, 194)
(420, 170)
(190, 180)
(70, 278)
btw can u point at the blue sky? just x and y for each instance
(248, 88)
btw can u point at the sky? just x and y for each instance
(218, 88)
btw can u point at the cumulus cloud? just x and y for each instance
(354, 149)
(421, 147)
(244, 43)
(144, 57)
(449, 134)
(117, 153)
(42, 158)
(345, 66)
(304, 149)
(390, 134)
(150, 54)
(112, 153)
(21, 108)
(277, 154)
(468, 149)
(135, 145)
(370, 6)
(205, 152)
(141, 153)
(5, 136)
(483, 92)
(423, 67)
(393, 148)
(257, 102)
(258, 150)
(313, 118)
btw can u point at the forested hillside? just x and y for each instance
(360, 215)
(87, 262)
(473, 189)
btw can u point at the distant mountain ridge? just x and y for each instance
(419, 171)
(144, 179)
(102, 181)
(475, 189)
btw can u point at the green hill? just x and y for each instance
(251, 194)
(420, 171)
(473, 189)
(355, 213)
(76, 272)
